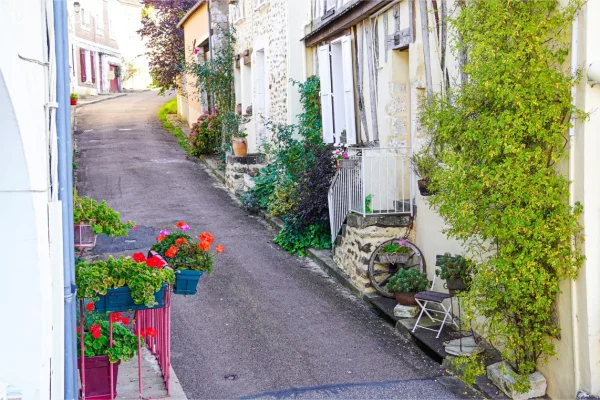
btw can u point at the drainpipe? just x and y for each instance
(572, 143)
(65, 192)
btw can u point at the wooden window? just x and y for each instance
(93, 67)
(82, 68)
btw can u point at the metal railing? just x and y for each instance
(371, 181)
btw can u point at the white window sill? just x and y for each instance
(260, 7)
(239, 20)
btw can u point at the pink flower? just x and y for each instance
(345, 155)
(134, 228)
(185, 227)
(165, 232)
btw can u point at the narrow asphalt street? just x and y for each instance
(266, 323)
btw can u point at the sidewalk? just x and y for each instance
(97, 99)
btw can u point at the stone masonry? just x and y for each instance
(237, 170)
(359, 239)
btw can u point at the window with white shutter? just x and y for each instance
(348, 76)
(326, 94)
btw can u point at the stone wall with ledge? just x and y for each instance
(359, 238)
(238, 167)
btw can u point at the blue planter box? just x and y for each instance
(186, 281)
(120, 300)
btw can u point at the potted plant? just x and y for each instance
(190, 258)
(93, 218)
(396, 252)
(122, 284)
(74, 98)
(456, 270)
(424, 164)
(240, 144)
(100, 357)
(406, 283)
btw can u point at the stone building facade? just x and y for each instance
(269, 54)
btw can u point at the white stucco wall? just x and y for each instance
(28, 296)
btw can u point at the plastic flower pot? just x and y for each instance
(73, 102)
(406, 299)
(97, 377)
(120, 300)
(186, 281)
(84, 236)
(423, 187)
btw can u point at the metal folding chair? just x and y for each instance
(430, 302)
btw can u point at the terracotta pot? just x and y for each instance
(240, 147)
(423, 187)
(406, 299)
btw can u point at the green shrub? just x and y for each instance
(297, 241)
(408, 281)
(454, 268)
(205, 135)
(102, 218)
(499, 136)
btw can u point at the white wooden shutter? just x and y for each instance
(326, 95)
(348, 90)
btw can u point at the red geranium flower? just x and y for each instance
(125, 320)
(160, 238)
(207, 237)
(139, 257)
(181, 224)
(155, 262)
(180, 241)
(171, 252)
(115, 317)
(94, 328)
(96, 334)
(151, 332)
(204, 246)
(90, 306)
(220, 248)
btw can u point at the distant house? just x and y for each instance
(96, 59)
(195, 25)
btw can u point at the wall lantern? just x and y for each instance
(237, 57)
(76, 7)
(246, 53)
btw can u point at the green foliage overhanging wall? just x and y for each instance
(500, 138)
(294, 185)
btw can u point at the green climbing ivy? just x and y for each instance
(499, 138)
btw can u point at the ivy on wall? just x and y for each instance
(499, 138)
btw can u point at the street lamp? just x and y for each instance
(76, 7)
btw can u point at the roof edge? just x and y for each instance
(190, 12)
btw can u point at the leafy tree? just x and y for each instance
(165, 42)
(499, 137)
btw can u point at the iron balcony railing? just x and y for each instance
(371, 181)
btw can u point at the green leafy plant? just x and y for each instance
(499, 135)
(170, 107)
(396, 248)
(424, 164)
(250, 202)
(124, 342)
(455, 268)
(296, 241)
(368, 199)
(408, 281)
(74, 96)
(102, 218)
(184, 252)
(144, 278)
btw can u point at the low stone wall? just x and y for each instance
(237, 169)
(360, 237)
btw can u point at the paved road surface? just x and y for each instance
(265, 324)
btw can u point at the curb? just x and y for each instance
(100, 100)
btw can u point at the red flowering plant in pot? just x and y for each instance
(100, 356)
(188, 256)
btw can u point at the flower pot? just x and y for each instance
(455, 285)
(73, 102)
(120, 300)
(240, 147)
(97, 376)
(423, 187)
(396, 258)
(406, 299)
(84, 236)
(186, 281)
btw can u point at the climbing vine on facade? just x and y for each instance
(499, 137)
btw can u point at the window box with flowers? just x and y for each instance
(93, 218)
(100, 356)
(123, 284)
(190, 258)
